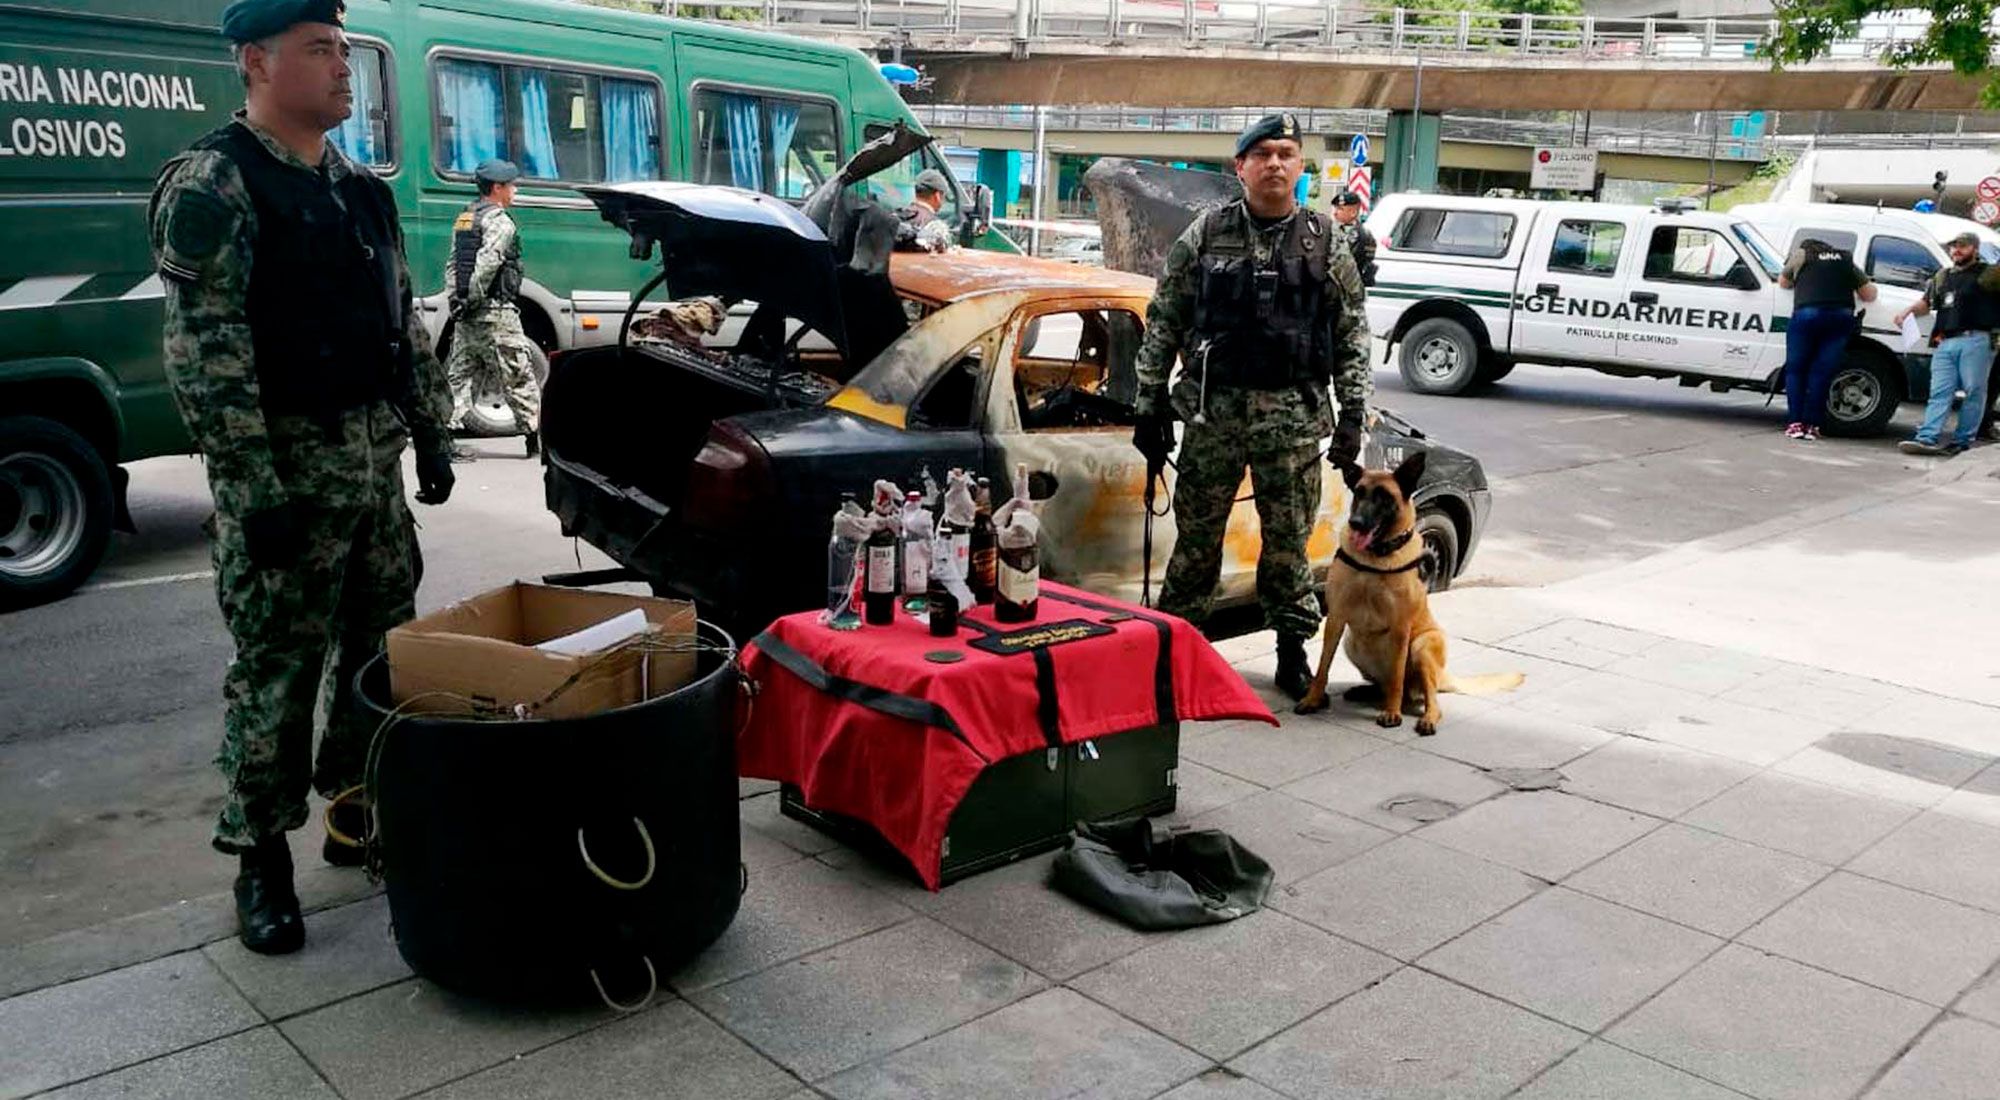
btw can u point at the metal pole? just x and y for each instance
(1041, 174)
(1415, 133)
(1714, 132)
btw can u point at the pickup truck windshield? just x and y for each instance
(1759, 247)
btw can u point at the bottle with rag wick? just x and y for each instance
(879, 596)
(914, 548)
(843, 565)
(1019, 590)
(982, 549)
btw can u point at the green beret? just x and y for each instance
(497, 171)
(254, 20)
(1266, 128)
(930, 179)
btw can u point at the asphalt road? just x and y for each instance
(110, 700)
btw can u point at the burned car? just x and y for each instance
(711, 466)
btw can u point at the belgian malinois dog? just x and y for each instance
(1375, 595)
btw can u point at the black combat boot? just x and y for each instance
(1294, 675)
(267, 908)
(534, 444)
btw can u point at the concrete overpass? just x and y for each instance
(1220, 53)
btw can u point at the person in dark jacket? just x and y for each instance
(1347, 222)
(1824, 283)
(1966, 297)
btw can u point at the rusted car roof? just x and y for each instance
(948, 276)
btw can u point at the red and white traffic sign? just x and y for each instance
(1989, 189)
(1986, 213)
(1361, 182)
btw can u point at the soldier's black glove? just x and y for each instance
(275, 537)
(434, 476)
(1153, 435)
(1346, 448)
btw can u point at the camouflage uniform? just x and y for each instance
(1276, 433)
(323, 617)
(489, 351)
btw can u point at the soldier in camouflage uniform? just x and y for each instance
(301, 370)
(1262, 302)
(1347, 223)
(488, 347)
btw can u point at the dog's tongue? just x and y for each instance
(1363, 540)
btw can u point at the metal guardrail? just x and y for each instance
(1496, 129)
(1332, 26)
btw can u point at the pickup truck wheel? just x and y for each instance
(1440, 357)
(56, 503)
(1490, 373)
(1440, 537)
(490, 415)
(1863, 397)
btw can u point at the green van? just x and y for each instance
(96, 95)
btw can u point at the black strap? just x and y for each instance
(909, 708)
(1048, 706)
(1166, 713)
(1341, 554)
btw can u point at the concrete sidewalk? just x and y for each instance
(1738, 835)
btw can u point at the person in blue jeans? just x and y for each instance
(1824, 284)
(1966, 297)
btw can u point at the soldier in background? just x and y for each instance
(488, 346)
(918, 226)
(1347, 215)
(302, 371)
(1261, 300)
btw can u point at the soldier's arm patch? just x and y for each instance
(197, 225)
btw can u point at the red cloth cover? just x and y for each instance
(905, 776)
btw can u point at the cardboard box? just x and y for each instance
(484, 649)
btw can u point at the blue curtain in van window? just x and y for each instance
(469, 94)
(746, 140)
(356, 136)
(784, 123)
(631, 132)
(538, 142)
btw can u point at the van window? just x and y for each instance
(896, 185)
(776, 144)
(555, 124)
(1682, 254)
(364, 137)
(1484, 233)
(1839, 238)
(1899, 261)
(1587, 247)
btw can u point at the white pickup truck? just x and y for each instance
(1468, 287)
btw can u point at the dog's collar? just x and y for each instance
(1340, 553)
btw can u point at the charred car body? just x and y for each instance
(710, 467)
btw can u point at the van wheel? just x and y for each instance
(1863, 397)
(1440, 357)
(55, 510)
(490, 415)
(1440, 537)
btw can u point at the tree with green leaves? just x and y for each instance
(1960, 34)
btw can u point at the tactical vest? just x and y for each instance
(1825, 280)
(326, 314)
(1267, 327)
(467, 234)
(1962, 306)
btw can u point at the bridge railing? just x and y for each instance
(1342, 26)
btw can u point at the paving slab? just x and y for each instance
(1548, 834)
(65, 1033)
(1362, 788)
(1609, 702)
(1700, 879)
(761, 853)
(1570, 956)
(1806, 819)
(1939, 854)
(1221, 1084)
(1773, 1028)
(1923, 947)
(1958, 1057)
(1225, 987)
(670, 1050)
(1691, 666)
(1489, 615)
(1983, 999)
(1897, 769)
(1508, 737)
(1652, 778)
(865, 998)
(1582, 642)
(789, 911)
(1978, 801)
(1015, 911)
(1542, 675)
(1957, 723)
(1297, 838)
(762, 814)
(349, 950)
(1828, 696)
(1405, 897)
(1052, 1045)
(1201, 788)
(249, 1063)
(1601, 1071)
(1273, 757)
(413, 1035)
(1414, 1035)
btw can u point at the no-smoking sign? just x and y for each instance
(1986, 213)
(1989, 189)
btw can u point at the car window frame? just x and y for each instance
(1676, 279)
(498, 57)
(1868, 268)
(1399, 241)
(392, 130)
(1625, 235)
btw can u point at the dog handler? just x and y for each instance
(1262, 302)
